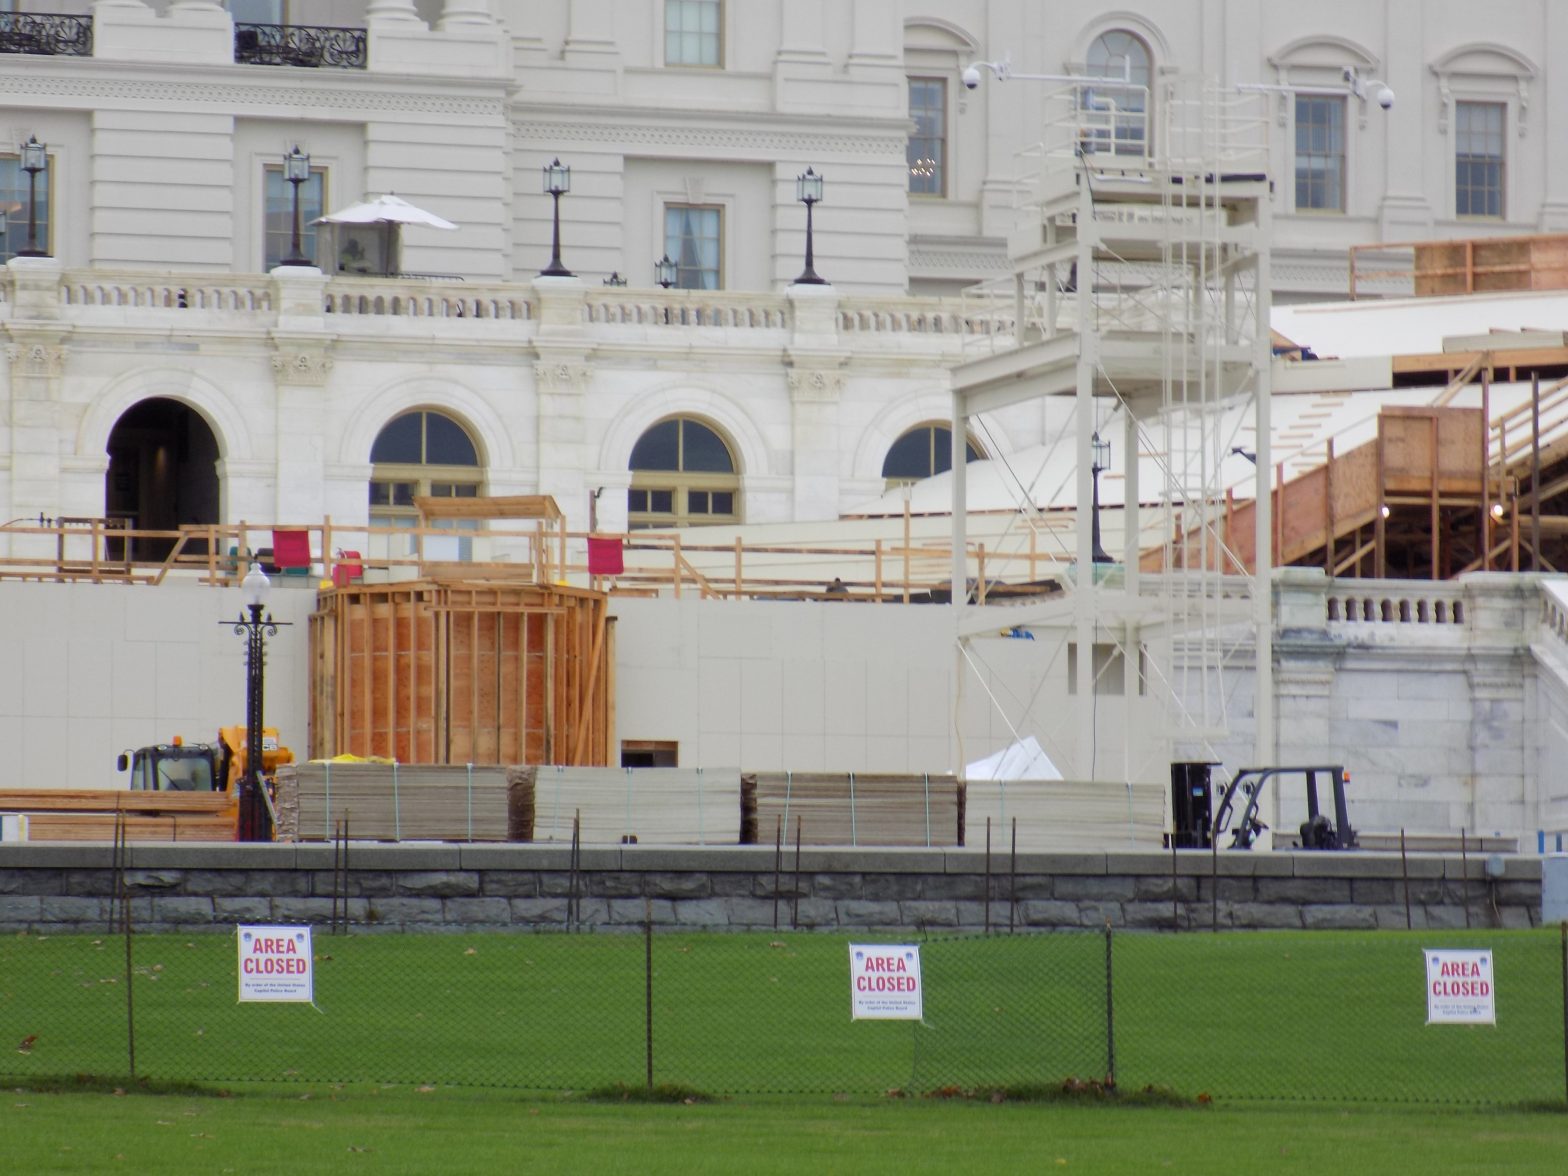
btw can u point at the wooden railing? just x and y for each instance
(878, 569)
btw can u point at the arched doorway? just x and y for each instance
(163, 472)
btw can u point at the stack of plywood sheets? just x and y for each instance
(648, 806)
(1060, 815)
(392, 802)
(854, 808)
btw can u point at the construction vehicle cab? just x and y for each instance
(1237, 812)
(201, 767)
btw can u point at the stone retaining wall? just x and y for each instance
(64, 888)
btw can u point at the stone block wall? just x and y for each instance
(183, 888)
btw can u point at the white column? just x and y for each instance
(456, 13)
(380, 12)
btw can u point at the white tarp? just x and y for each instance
(1024, 760)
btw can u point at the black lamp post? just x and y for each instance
(255, 627)
(1099, 463)
(666, 272)
(35, 158)
(557, 182)
(296, 170)
(808, 190)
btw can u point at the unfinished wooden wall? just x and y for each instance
(453, 673)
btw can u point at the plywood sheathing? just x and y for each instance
(445, 672)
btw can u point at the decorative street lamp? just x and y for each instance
(35, 158)
(666, 272)
(808, 190)
(296, 170)
(557, 182)
(255, 819)
(1099, 463)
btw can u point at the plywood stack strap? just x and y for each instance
(857, 808)
(645, 806)
(401, 802)
(1055, 815)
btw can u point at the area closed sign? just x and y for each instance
(275, 964)
(1459, 987)
(884, 982)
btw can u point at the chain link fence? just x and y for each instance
(1250, 1015)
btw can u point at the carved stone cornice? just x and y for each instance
(215, 96)
(768, 143)
(305, 366)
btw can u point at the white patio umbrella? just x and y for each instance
(388, 209)
(389, 212)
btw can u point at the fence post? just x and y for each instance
(1464, 876)
(988, 875)
(1404, 872)
(125, 912)
(778, 866)
(1110, 1014)
(1565, 1008)
(648, 978)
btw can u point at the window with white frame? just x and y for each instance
(278, 228)
(692, 32)
(14, 204)
(1320, 153)
(1116, 112)
(1479, 159)
(683, 474)
(927, 149)
(693, 239)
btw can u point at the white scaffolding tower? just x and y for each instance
(1140, 287)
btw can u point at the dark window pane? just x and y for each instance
(399, 441)
(380, 494)
(446, 443)
(910, 456)
(704, 452)
(402, 493)
(661, 501)
(697, 502)
(723, 502)
(658, 448)
(636, 501)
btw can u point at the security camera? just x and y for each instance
(971, 78)
(1385, 98)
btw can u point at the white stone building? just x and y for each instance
(161, 367)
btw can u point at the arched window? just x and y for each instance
(920, 452)
(683, 474)
(1120, 108)
(420, 453)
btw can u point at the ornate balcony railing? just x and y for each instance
(47, 36)
(310, 46)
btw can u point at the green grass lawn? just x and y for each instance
(1253, 1015)
(405, 1130)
